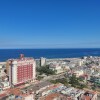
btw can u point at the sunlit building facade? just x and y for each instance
(21, 70)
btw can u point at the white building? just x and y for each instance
(5, 85)
(2, 68)
(56, 67)
(43, 61)
(2, 64)
(79, 73)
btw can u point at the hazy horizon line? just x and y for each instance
(53, 48)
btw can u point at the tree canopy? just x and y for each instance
(46, 70)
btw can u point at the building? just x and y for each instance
(4, 85)
(21, 70)
(79, 73)
(24, 95)
(80, 62)
(89, 95)
(43, 61)
(56, 67)
(2, 69)
(54, 96)
(2, 64)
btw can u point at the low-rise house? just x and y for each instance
(40, 86)
(78, 73)
(88, 95)
(10, 97)
(22, 94)
(51, 89)
(56, 67)
(73, 93)
(4, 85)
(2, 68)
(54, 96)
(25, 96)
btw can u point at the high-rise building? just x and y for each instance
(43, 61)
(21, 70)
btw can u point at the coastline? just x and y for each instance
(49, 53)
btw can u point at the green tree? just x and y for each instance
(46, 70)
(39, 77)
(63, 81)
(81, 86)
(74, 81)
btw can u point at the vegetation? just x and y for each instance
(81, 86)
(46, 70)
(39, 77)
(75, 82)
(63, 81)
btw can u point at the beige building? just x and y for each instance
(56, 67)
(43, 61)
(78, 73)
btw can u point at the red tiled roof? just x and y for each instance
(55, 86)
(3, 95)
(87, 98)
(51, 96)
(15, 91)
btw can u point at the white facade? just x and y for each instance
(80, 62)
(29, 97)
(57, 68)
(2, 64)
(14, 72)
(2, 73)
(79, 73)
(43, 61)
(34, 70)
(5, 85)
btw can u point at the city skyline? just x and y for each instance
(49, 24)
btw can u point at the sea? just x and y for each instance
(6, 54)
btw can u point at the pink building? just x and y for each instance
(21, 70)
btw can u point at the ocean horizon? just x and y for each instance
(49, 53)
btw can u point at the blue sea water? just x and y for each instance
(48, 53)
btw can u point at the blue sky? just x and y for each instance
(49, 23)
